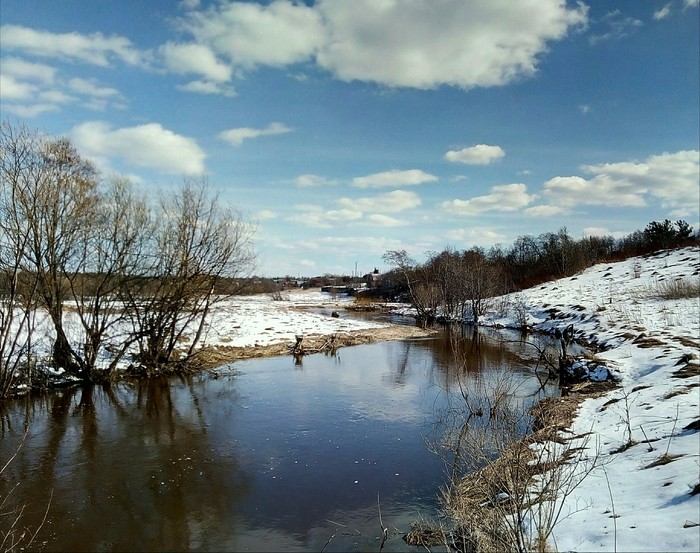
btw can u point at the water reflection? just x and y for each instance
(267, 455)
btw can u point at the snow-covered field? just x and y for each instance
(262, 320)
(638, 499)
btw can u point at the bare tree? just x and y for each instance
(424, 292)
(53, 201)
(17, 286)
(198, 251)
(109, 254)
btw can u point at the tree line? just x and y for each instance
(136, 274)
(459, 285)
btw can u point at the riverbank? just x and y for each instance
(215, 356)
(639, 440)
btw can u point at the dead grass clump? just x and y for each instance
(679, 391)
(665, 459)
(676, 290)
(687, 372)
(426, 533)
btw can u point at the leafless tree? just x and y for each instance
(53, 201)
(199, 250)
(109, 254)
(424, 293)
(17, 286)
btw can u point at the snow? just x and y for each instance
(262, 320)
(651, 346)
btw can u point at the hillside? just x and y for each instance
(643, 495)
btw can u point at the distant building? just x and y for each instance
(372, 279)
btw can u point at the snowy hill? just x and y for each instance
(644, 494)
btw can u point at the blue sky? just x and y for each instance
(343, 129)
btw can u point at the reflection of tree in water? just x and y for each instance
(486, 401)
(132, 468)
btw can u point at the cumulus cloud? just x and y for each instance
(421, 44)
(95, 49)
(235, 137)
(671, 178)
(368, 211)
(424, 44)
(394, 178)
(481, 154)
(28, 89)
(195, 59)
(250, 34)
(149, 145)
(504, 197)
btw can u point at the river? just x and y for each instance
(260, 455)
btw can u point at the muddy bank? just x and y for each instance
(211, 357)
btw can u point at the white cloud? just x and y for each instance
(617, 27)
(317, 216)
(584, 108)
(208, 87)
(691, 3)
(421, 43)
(545, 211)
(95, 49)
(481, 154)
(34, 88)
(671, 178)
(663, 13)
(394, 178)
(424, 44)
(504, 197)
(380, 220)
(266, 215)
(195, 58)
(476, 236)
(28, 71)
(250, 34)
(148, 145)
(602, 231)
(309, 180)
(235, 137)
(90, 87)
(391, 202)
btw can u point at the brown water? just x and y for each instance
(261, 455)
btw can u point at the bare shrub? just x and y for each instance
(508, 489)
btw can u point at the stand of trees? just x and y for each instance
(135, 274)
(459, 285)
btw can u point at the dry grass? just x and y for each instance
(676, 290)
(534, 479)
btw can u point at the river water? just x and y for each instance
(260, 455)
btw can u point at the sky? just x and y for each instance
(342, 130)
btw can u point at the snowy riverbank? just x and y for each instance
(643, 497)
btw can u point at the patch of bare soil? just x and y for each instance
(211, 357)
